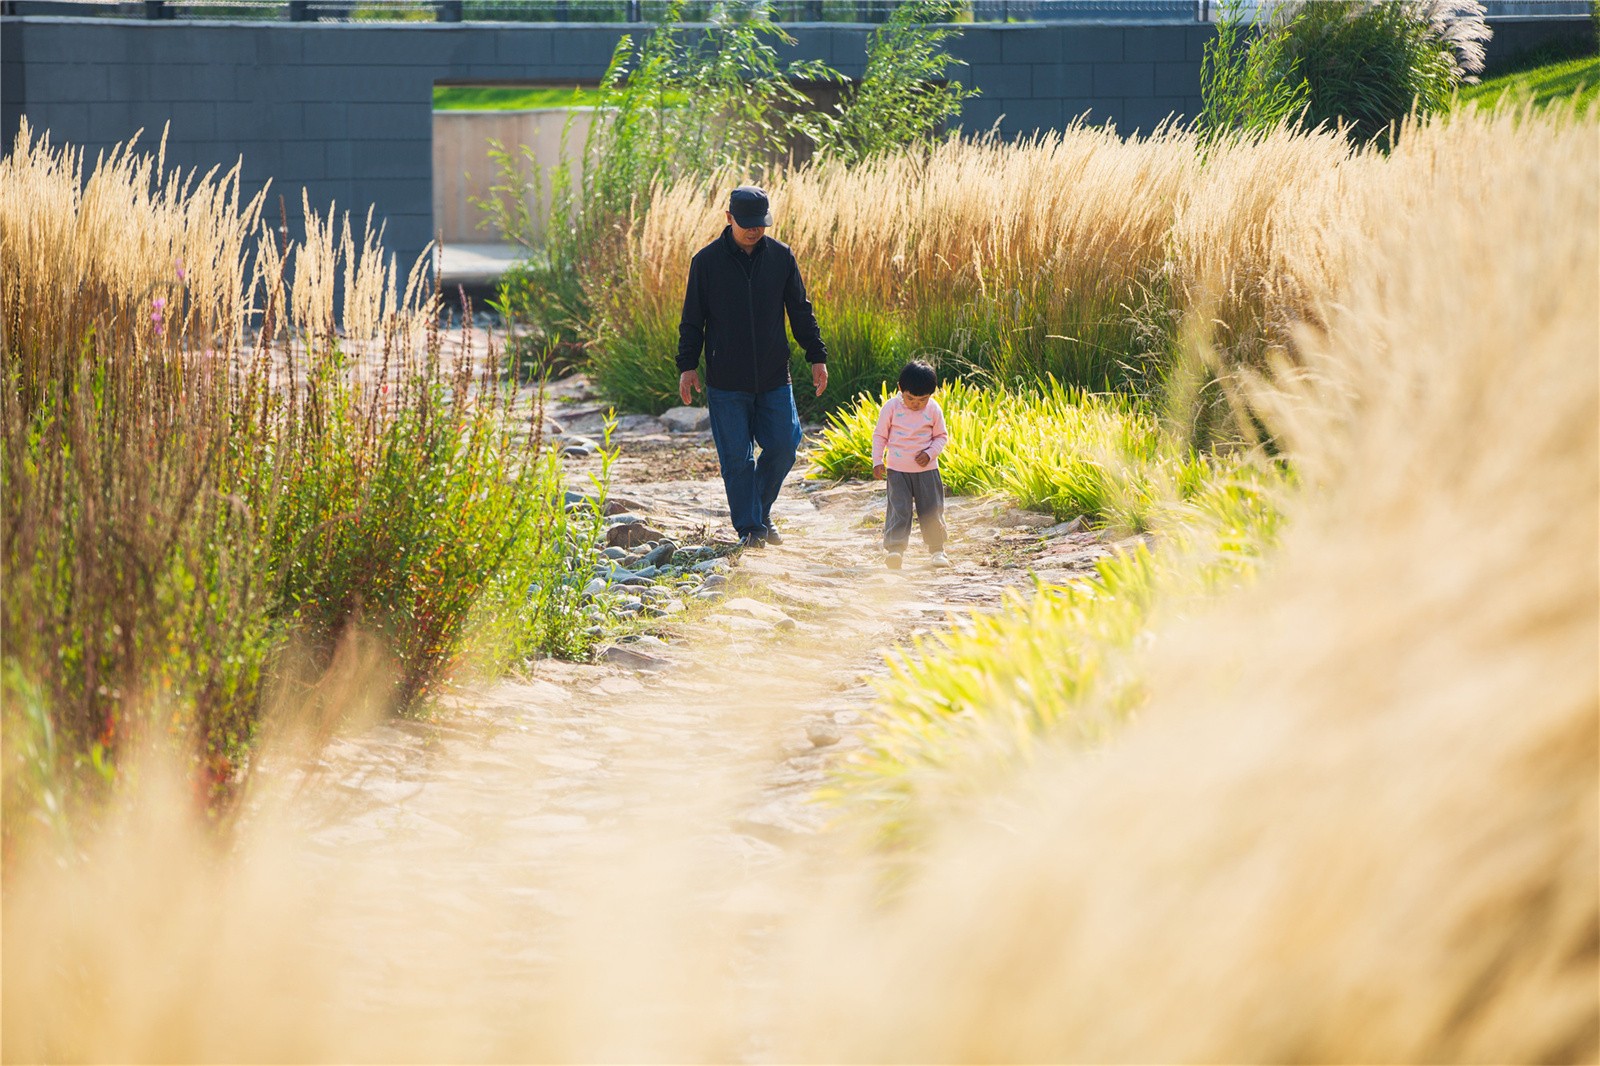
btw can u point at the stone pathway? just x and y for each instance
(715, 733)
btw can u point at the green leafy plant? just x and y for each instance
(903, 97)
(1249, 81)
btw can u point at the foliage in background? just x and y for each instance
(198, 520)
(903, 98)
(686, 102)
(694, 103)
(708, 108)
(540, 297)
(1248, 81)
(1051, 448)
(1362, 65)
(1367, 65)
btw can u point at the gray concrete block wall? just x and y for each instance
(1039, 78)
(343, 111)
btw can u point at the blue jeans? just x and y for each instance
(740, 421)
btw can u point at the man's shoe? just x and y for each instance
(939, 560)
(752, 540)
(892, 560)
(773, 536)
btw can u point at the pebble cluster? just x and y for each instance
(643, 573)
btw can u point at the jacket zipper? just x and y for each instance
(750, 303)
(750, 308)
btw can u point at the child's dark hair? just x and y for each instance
(918, 378)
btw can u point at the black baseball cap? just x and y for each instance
(750, 207)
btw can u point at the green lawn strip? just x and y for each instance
(511, 97)
(1572, 80)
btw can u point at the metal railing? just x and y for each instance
(639, 11)
(603, 11)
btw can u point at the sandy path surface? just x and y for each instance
(515, 808)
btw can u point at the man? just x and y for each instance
(740, 286)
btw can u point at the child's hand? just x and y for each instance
(923, 458)
(879, 473)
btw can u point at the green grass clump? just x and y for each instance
(1053, 448)
(963, 709)
(1573, 81)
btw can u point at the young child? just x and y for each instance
(905, 449)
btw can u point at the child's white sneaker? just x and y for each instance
(892, 560)
(939, 560)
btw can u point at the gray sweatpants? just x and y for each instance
(924, 491)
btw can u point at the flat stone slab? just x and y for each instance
(687, 419)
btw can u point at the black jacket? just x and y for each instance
(734, 309)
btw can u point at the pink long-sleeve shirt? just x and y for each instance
(902, 433)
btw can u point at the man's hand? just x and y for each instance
(819, 376)
(878, 472)
(922, 457)
(688, 384)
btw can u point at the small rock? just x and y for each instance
(648, 573)
(598, 585)
(740, 624)
(821, 734)
(1061, 529)
(660, 553)
(761, 612)
(710, 566)
(639, 424)
(633, 660)
(714, 581)
(614, 553)
(631, 534)
(687, 419)
(619, 575)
